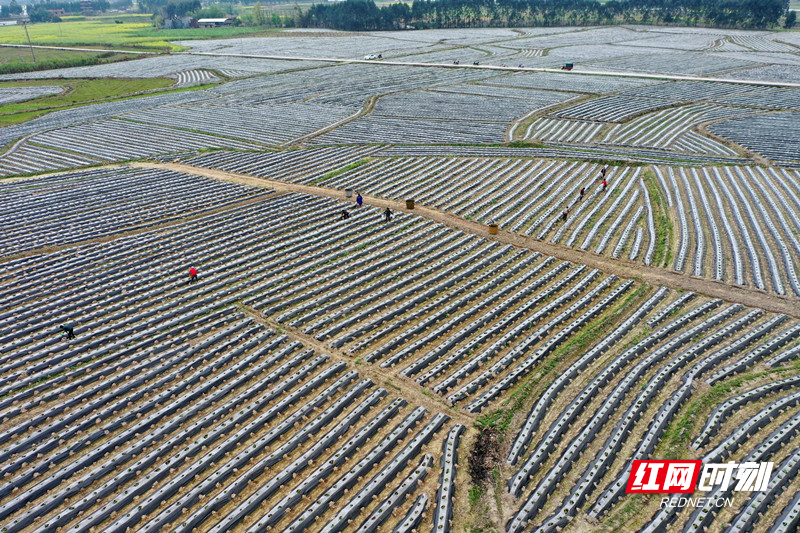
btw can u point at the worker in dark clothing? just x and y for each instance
(605, 184)
(603, 172)
(387, 214)
(359, 200)
(583, 191)
(192, 275)
(565, 215)
(345, 214)
(68, 331)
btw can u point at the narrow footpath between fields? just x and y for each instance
(623, 268)
(407, 387)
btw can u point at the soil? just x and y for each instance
(621, 267)
(408, 388)
(486, 448)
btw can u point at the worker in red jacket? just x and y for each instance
(192, 275)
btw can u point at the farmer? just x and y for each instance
(387, 214)
(345, 214)
(565, 215)
(68, 330)
(603, 172)
(192, 275)
(583, 191)
(605, 184)
(359, 200)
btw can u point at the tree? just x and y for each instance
(39, 14)
(259, 18)
(791, 19)
(210, 12)
(10, 10)
(180, 8)
(360, 15)
(151, 6)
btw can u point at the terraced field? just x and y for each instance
(389, 368)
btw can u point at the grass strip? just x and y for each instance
(333, 173)
(663, 252)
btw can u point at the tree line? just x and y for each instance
(41, 12)
(364, 15)
(10, 10)
(74, 7)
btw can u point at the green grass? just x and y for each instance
(14, 60)
(23, 55)
(136, 32)
(77, 92)
(133, 33)
(662, 255)
(338, 171)
(623, 517)
(679, 433)
(475, 493)
(588, 336)
(523, 144)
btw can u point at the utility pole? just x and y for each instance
(29, 39)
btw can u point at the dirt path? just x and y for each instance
(408, 388)
(369, 106)
(621, 267)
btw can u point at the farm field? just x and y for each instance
(34, 98)
(597, 268)
(135, 32)
(23, 55)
